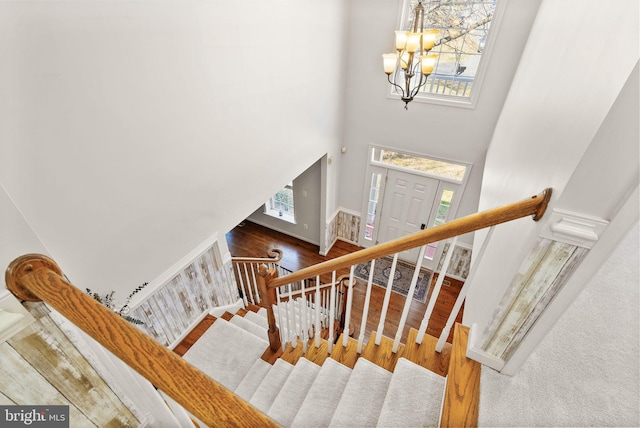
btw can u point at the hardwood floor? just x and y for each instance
(252, 240)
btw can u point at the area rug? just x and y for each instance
(401, 278)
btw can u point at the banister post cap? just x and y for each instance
(24, 265)
(546, 197)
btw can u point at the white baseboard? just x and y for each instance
(286, 232)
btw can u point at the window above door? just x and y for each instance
(438, 168)
(463, 44)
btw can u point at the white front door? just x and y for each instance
(406, 207)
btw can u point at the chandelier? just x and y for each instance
(408, 69)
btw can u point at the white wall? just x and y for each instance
(586, 370)
(441, 131)
(16, 236)
(548, 133)
(132, 131)
(306, 195)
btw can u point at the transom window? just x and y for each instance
(463, 32)
(440, 168)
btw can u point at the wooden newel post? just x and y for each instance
(266, 300)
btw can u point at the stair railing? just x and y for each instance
(304, 310)
(246, 273)
(34, 278)
(534, 206)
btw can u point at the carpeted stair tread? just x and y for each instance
(250, 327)
(363, 396)
(414, 397)
(293, 392)
(225, 352)
(324, 395)
(252, 379)
(271, 384)
(257, 319)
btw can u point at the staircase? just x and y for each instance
(383, 383)
(301, 388)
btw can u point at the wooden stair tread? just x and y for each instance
(241, 312)
(195, 334)
(227, 316)
(382, 354)
(253, 308)
(425, 354)
(317, 355)
(462, 393)
(346, 355)
(291, 354)
(313, 354)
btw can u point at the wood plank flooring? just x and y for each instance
(252, 240)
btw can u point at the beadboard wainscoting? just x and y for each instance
(460, 261)
(41, 365)
(343, 225)
(181, 302)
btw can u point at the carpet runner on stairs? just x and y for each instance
(225, 352)
(363, 396)
(323, 396)
(310, 395)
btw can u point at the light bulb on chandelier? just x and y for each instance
(408, 69)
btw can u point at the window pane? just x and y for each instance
(376, 180)
(441, 218)
(430, 251)
(281, 204)
(463, 28)
(432, 166)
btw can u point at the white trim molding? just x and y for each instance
(573, 228)
(479, 354)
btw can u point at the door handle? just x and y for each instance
(423, 226)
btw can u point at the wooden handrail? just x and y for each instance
(275, 255)
(35, 277)
(534, 206)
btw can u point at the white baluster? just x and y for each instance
(326, 299)
(387, 297)
(248, 287)
(255, 283)
(436, 291)
(283, 329)
(291, 314)
(347, 318)
(409, 299)
(463, 292)
(303, 316)
(317, 307)
(365, 310)
(242, 287)
(332, 310)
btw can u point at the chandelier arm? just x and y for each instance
(423, 82)
(395, 84)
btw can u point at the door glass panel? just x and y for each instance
(376, 180)
(441, 218)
